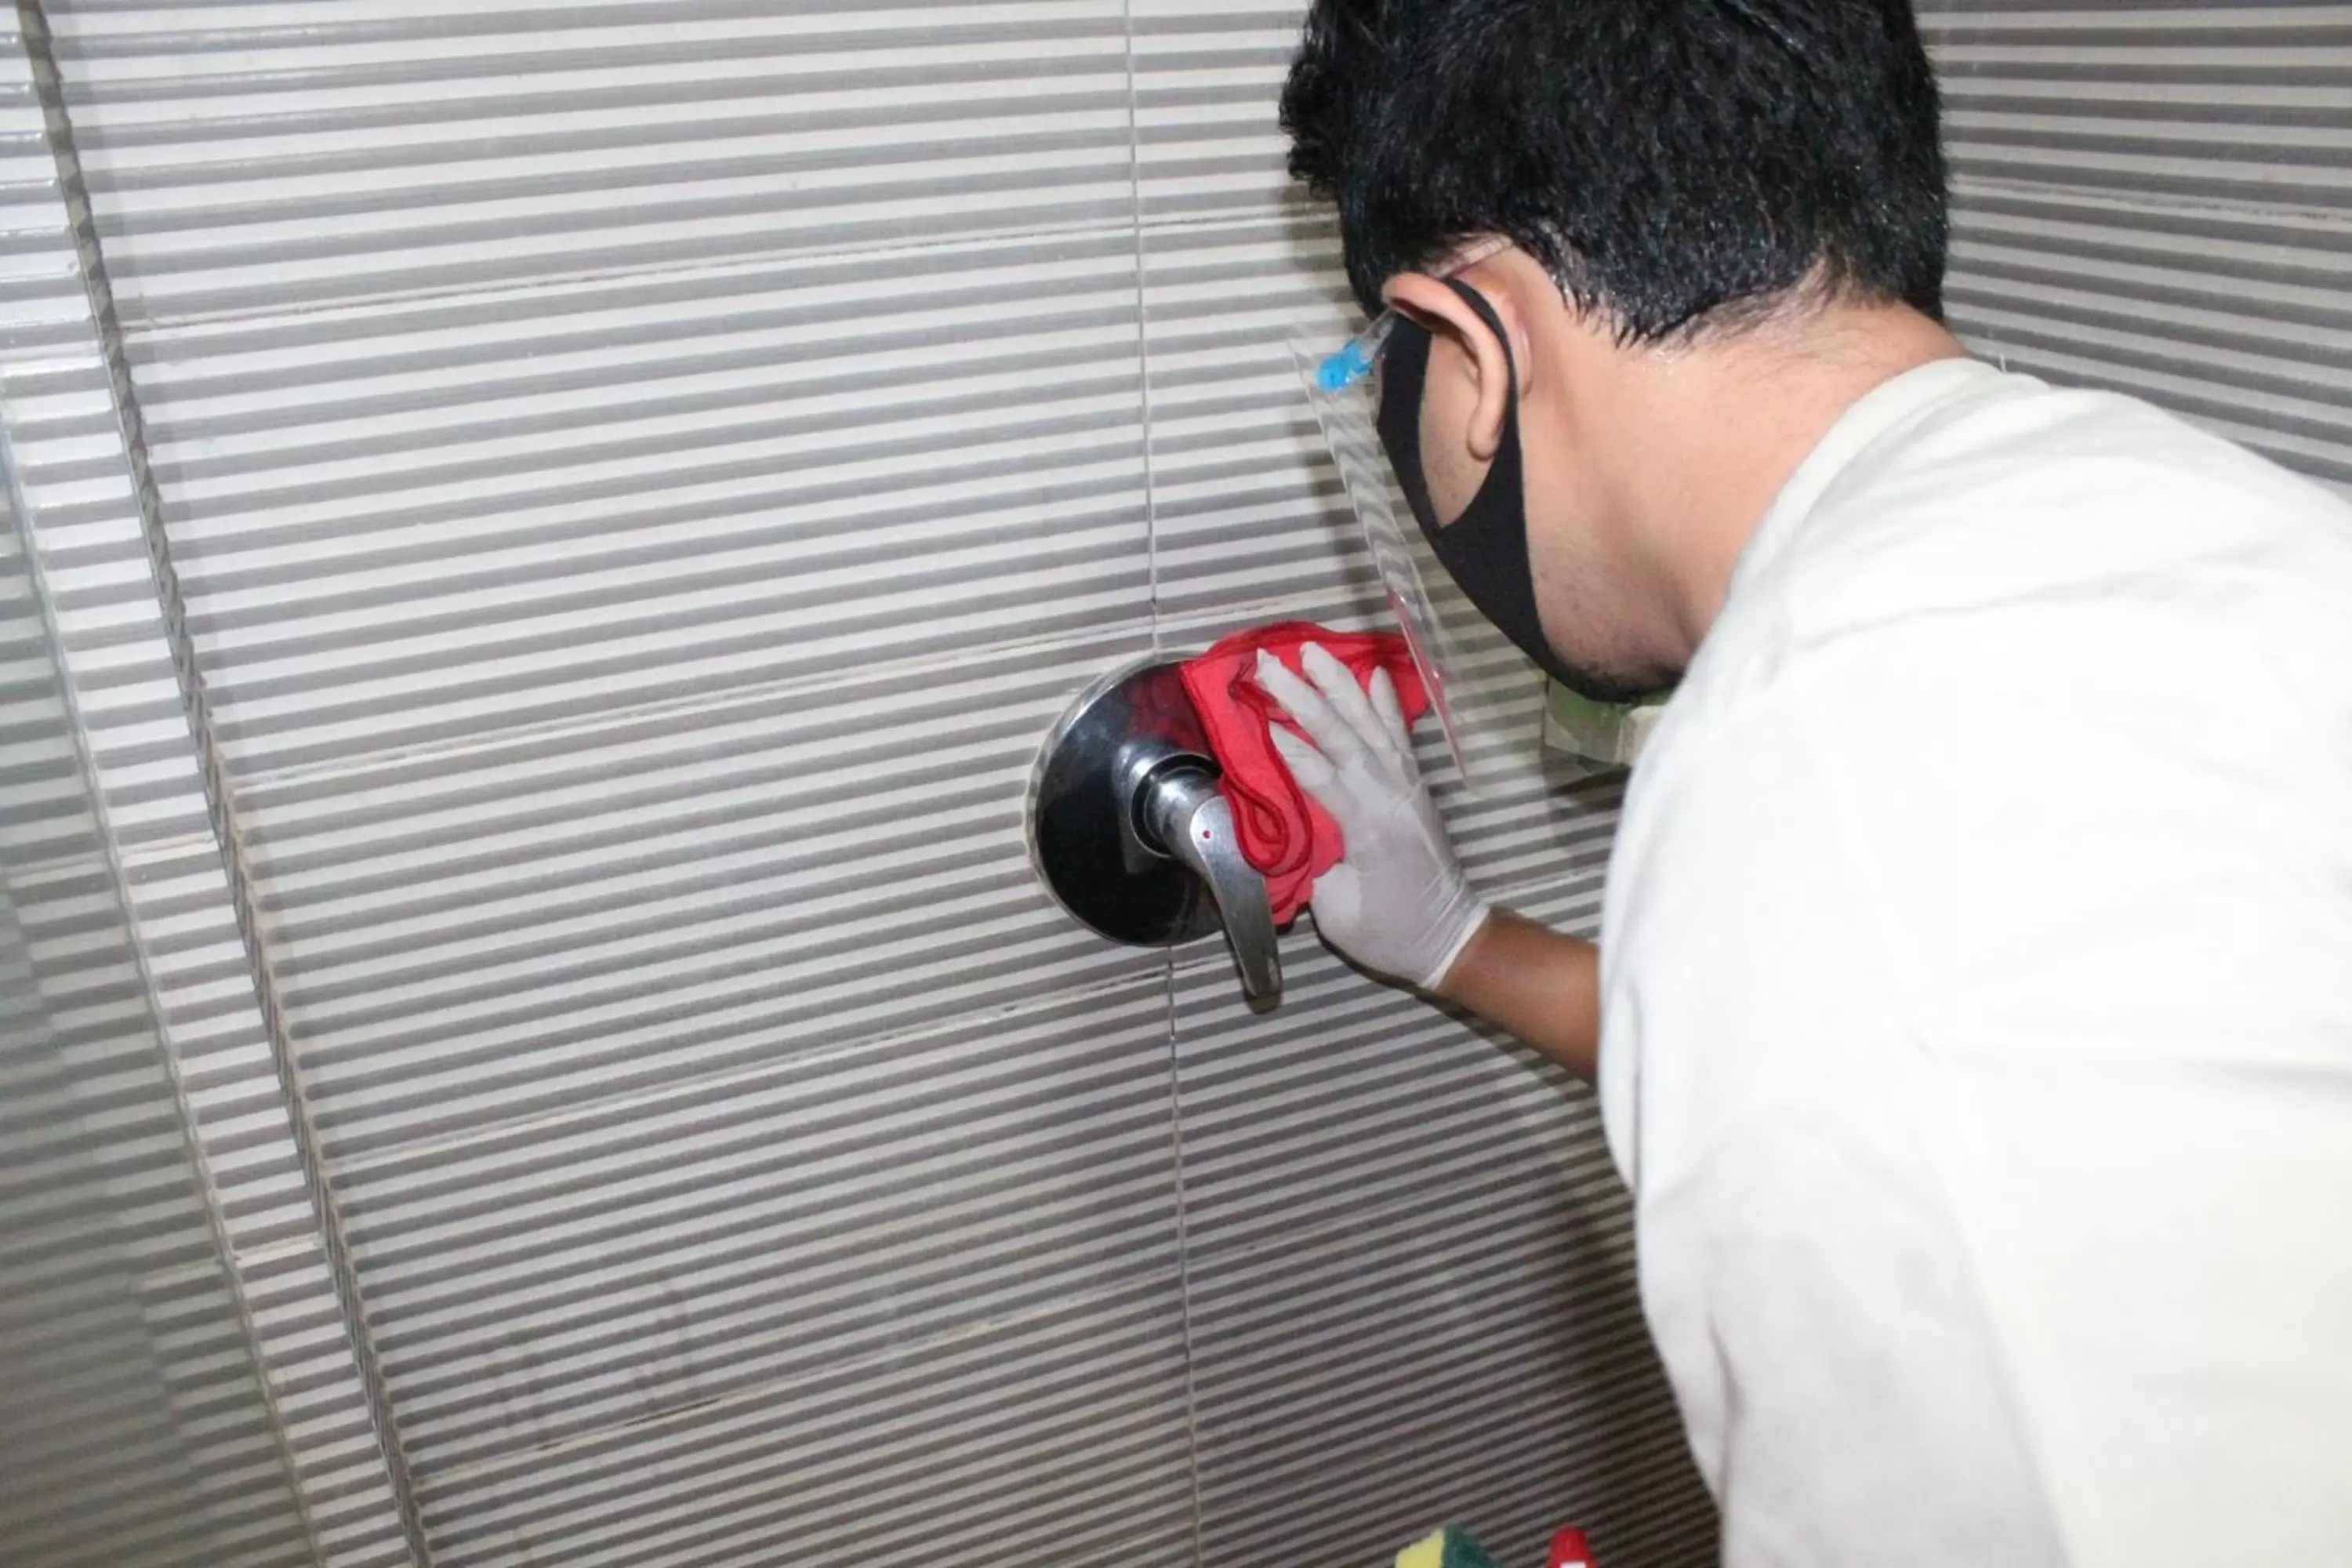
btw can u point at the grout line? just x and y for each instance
(308, 1468)
(1142, 328)
(1191, 1412)
(1184, 1271)
(753, 264)
(728, 705)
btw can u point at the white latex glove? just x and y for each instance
(1398, 903)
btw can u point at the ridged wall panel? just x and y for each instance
(639, 480)
(2159, 198)
(143, 980)
(643, 481)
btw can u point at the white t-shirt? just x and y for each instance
(1978, 999)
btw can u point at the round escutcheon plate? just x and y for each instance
(1084, 838)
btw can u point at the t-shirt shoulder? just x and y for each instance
(2008, 494)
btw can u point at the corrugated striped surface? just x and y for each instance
(644, 478)
(2159, 198)
(131, 1408)
(1410, 1270)
(263, 155)
(145, 984)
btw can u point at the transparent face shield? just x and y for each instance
(1487, 696)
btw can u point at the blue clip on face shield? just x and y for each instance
(1478, 685)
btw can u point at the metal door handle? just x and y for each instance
(1188, 818)
(1130, 832)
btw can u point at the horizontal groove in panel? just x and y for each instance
(748, 1303)
(444, 636)
(900, 388)
(317, 202)
(245, 164)
(489, 328)
(2309, 406)
(1510, 1480)
(363, 718)
(1310, 1184)
(369, 878)
(1407, 1363)
(2286, 141)
(569, 138)
(2152, 199)
(2183, 27)
(1245, 1294)
(2143, 175)
(1534, 1268)
(143, 59)
(243, 290)
(2251, 72)
(2176, 299)
(1276, 1418)
(804, 1309)
(2262, 241)
(621, 369)
(1350, 1461)
(2202, 114)
(437, 1084)
(430, 1254)
(837, 1447)
(730, 500)
(2290, 362)
(1075, 175)
(1420, 1436)
(872, 1325)
(702, 547)
(847, 1074)
(314, 830)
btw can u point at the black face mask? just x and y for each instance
(1485, 548)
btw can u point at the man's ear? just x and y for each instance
(1447, 316)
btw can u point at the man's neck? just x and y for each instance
(1724, 424)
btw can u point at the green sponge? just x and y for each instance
(1449, 1547)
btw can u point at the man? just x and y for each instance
(1973, 1009)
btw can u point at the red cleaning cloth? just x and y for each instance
(1283, 832)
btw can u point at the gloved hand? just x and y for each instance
(1398, 903)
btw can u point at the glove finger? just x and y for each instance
(1341, 691)
(1336, 904)
(1383, 694)
(1313, 771)
(1327, 787)
(1331, 734)
(1345, 926)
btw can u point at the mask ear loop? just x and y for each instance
(1486, 548)
(1484, 311)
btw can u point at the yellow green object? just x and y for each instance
(1609, 734)
(1449, 1547)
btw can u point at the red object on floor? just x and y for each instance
(1569, 1551)
(1283, 832)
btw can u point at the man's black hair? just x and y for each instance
(1673, 163)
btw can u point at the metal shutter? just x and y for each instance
(639, 480)
(2159, 198)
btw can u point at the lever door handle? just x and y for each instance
(1130, 833)
(1188, 817)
